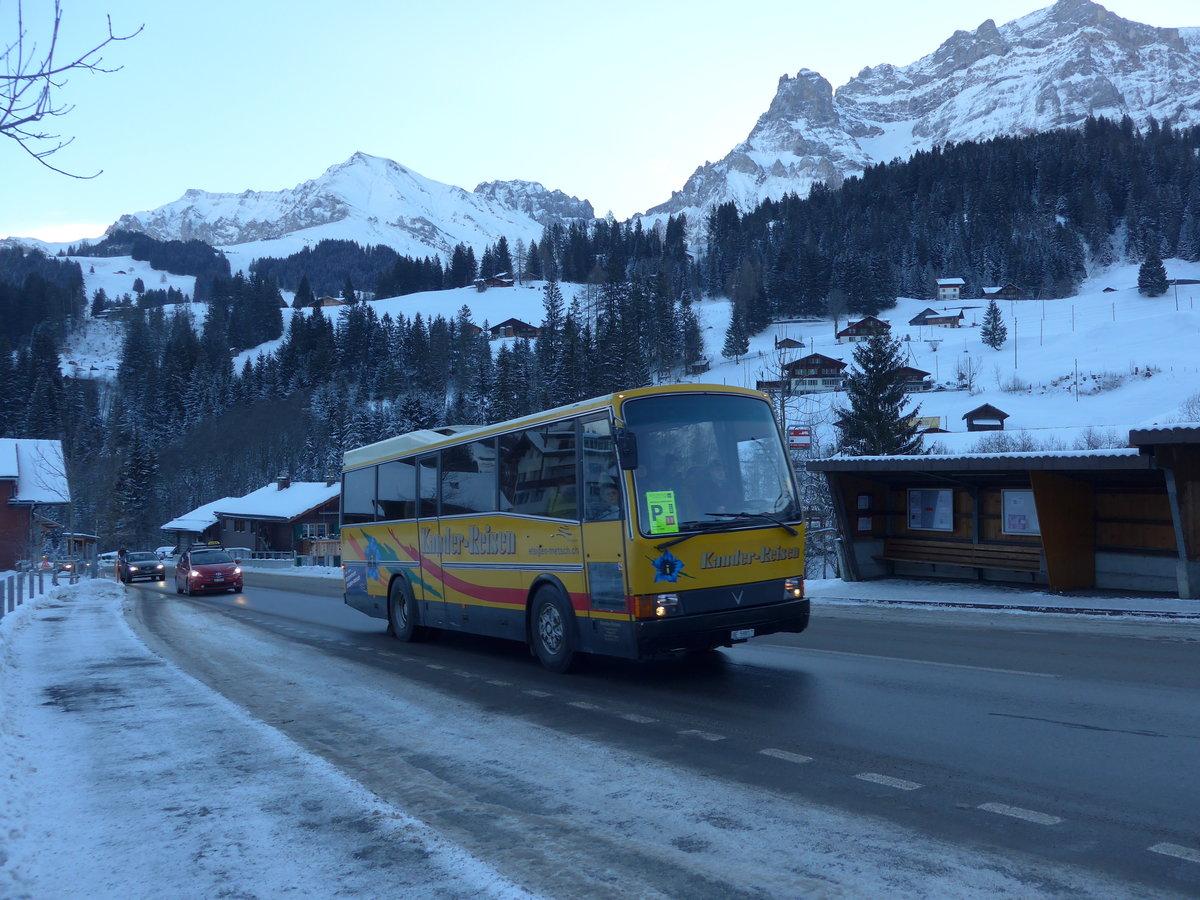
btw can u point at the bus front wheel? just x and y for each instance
(553, 629)
(402, 612)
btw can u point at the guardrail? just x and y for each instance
(15, 589)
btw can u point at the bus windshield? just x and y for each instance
(706, 460)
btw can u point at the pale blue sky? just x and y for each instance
(616, 102)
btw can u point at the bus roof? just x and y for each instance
(429, 437)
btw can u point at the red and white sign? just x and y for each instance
(799, 438)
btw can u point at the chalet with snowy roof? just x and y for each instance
(863, 329)
(35, 498)
(914, 379)
(284, 516)
(329, 301)
(1004, 292)
(1123, 519)
(200, 525)
(513, 328)
(930, 316)
(500, 280)
(788, 343)
(985, 418)
(949, 290)
(815, 372)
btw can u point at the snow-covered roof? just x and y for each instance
(1122, 458)
(284, 503)
(38, 468)
(950, 282)
(198, 519)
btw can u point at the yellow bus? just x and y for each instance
(645, 522)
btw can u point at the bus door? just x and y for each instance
(428, 589)
(605, 510)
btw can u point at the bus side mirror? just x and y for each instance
(627, 452)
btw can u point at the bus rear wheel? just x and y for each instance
(552, 629)
(402, 612)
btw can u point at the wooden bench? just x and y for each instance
(1014, 557)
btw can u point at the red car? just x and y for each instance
(207, 569)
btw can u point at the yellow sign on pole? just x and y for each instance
(661, 507)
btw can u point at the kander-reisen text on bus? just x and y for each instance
(649, 521)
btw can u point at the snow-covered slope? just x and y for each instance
(1086, 367)
(366, 199)
(1050, 69)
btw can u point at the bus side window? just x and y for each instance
(358, 496)
(469, 478)
(601, 474)
(537, 471)
(397, 490)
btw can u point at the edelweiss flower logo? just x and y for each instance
(372, 558)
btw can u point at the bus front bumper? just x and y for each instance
(719, 629)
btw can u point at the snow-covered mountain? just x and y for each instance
(1050, 69)
(365, 199)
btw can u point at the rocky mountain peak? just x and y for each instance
(1050, 69)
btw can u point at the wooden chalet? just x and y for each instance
(985, 418)
(863, 329)
(788, 343)
(915, 379)
(815, 372)
(929, 316)
(1004, 292)
(513, 328)
(35, 498)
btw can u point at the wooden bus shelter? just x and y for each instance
(1123, 519)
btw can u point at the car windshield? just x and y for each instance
(210, 557)
(705, 460)
(142, 557)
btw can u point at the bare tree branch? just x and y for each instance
(30, 79)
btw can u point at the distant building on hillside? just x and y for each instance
(863, 329)
(1004, 292)
(949, 290)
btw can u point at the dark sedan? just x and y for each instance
(143, 565)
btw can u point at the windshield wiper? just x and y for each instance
(697, 528)
(759, 515)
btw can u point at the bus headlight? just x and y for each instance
(793, 588)
(656, 606)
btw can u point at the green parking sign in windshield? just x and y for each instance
(661, 508)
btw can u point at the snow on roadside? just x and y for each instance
(148, 784)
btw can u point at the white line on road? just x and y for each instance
(579, 704)
(538, 694)
(702, 735)
(1177, 851)
(634, 717)
(785, 755)
(930, 662)
(889, 781)
(1016, 812)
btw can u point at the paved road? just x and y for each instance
(1065, 743)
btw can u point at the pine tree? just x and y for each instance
(875, 423)
(1152, 276)
(993, 332)
(737, 338)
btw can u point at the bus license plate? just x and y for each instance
(741, 634)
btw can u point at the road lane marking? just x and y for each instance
(1177, 851)
(930, 662)
(634, 717)
(500, 683)
(579, 704)
(786, 755)
(538, 694)
(889, 781)
(702, 735)
(1016, 812)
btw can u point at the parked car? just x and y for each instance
(207, 569)
(142, 564)
(165, 553)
